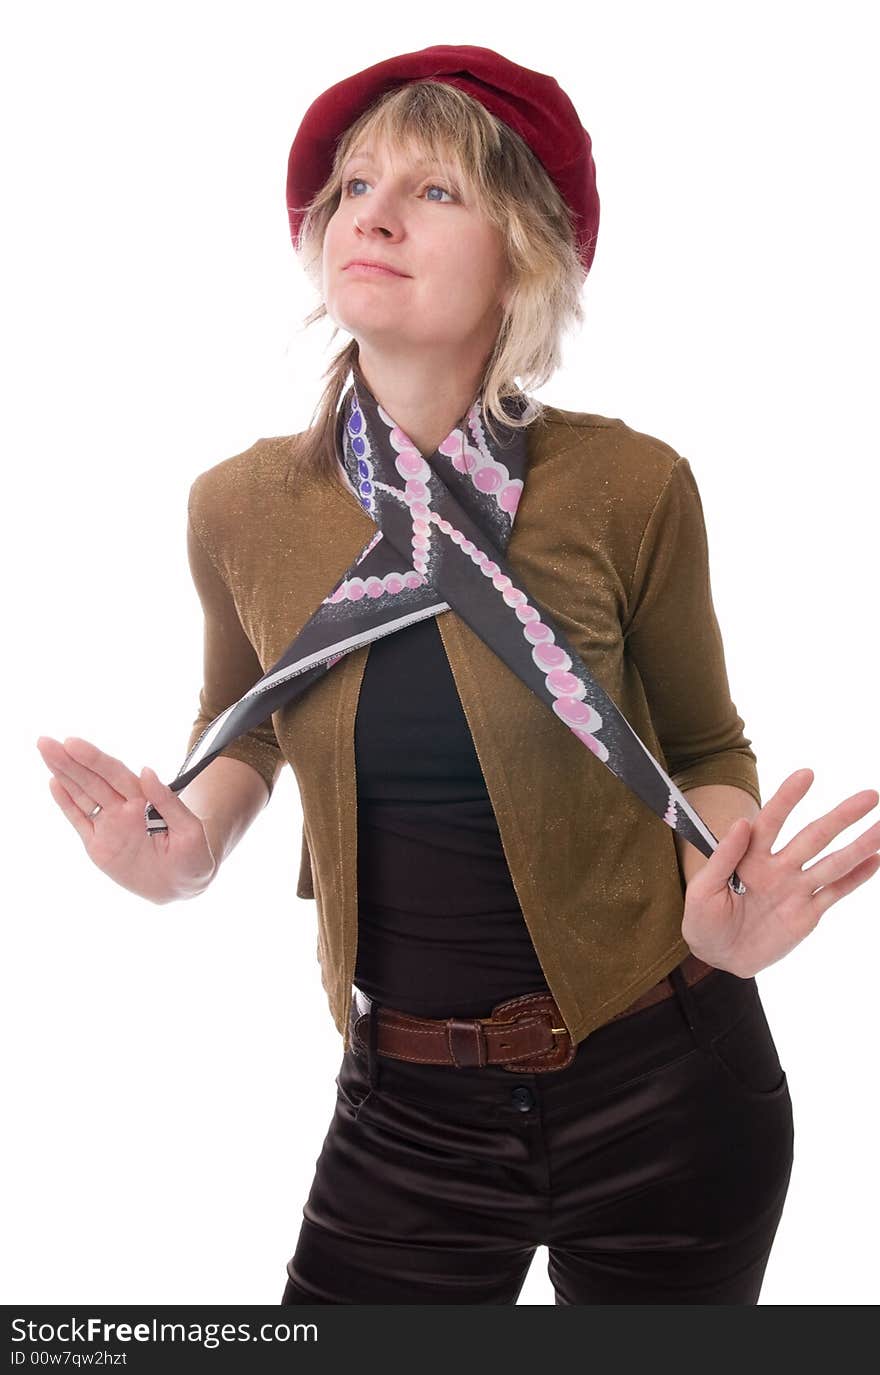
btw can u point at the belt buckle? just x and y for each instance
(561, 1054)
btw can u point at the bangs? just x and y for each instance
(417, 122)
(424, 154)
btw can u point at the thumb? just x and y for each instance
(163, 798)
(728, 853)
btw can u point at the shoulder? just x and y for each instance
(241, 487)
(600, 450)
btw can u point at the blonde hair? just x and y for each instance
(511, 187)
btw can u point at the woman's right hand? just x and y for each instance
(165, 866)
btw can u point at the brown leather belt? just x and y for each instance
(523, 1035)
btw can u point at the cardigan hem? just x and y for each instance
(646, 979)
(603, 1014)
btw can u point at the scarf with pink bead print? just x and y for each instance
(443, 526)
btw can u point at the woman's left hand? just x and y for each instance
(783, 902)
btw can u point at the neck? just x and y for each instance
(426, 399)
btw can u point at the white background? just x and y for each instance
(169, 1072)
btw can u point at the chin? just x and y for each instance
(370, 324)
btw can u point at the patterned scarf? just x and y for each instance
(443, 527)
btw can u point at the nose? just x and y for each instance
(369, 229)
(379, 215)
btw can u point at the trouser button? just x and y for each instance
(522, 1097)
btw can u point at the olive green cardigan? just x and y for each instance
(610, 538)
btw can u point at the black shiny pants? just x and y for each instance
(654, 1167)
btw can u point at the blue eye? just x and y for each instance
(433, 186)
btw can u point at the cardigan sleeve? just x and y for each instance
(231, 665)
(672, 633)
(305, 884)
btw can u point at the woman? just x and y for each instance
(552, 1032)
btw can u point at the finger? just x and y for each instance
(176, 815)
(775, 812)
(116, 775)
(74, 814)
(833, 892)
(813, 838)
(834, 866)
(73, 777)
(84, 801)
(99, 774)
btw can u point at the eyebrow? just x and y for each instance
(367, 153)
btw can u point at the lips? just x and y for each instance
(373, 268)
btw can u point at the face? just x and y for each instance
(399, 211)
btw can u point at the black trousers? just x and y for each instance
(654, 1167)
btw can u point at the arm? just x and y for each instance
(719, 805)
(230, 791)
(227, 796)
(672, 635)
(675, 641)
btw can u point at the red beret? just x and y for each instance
(534, 105)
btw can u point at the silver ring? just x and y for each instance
(94, 811)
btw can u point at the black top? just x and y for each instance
(440, 929)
